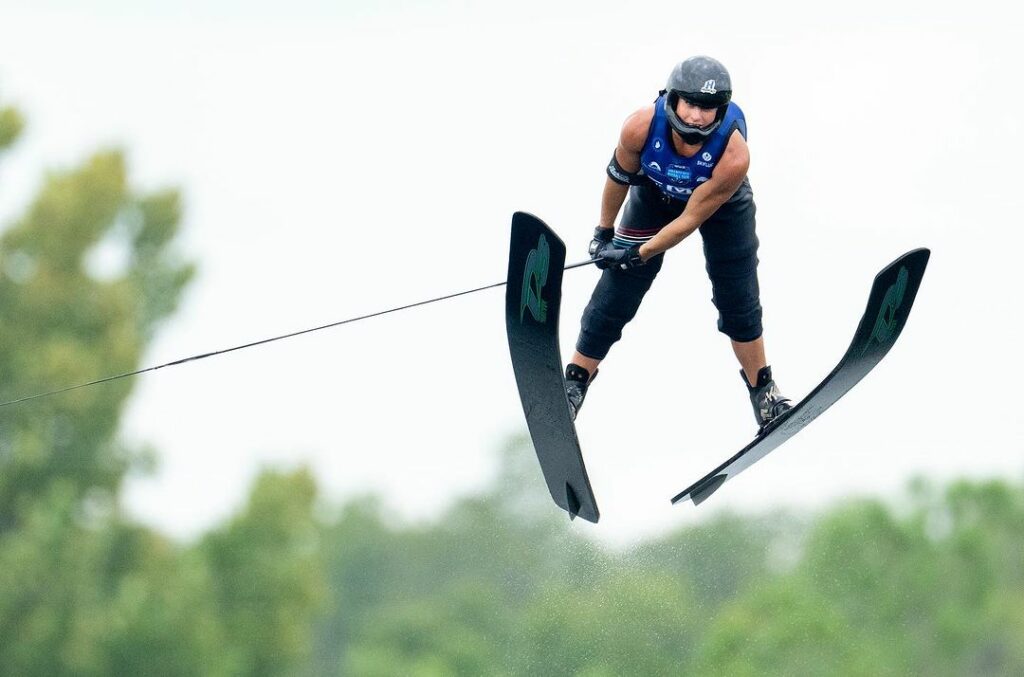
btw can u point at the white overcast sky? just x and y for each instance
(341, 158)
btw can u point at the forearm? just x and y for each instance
(702, 204)
(669, 236)
(611, 202)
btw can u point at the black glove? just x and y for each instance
(602, 238)
(615, 257)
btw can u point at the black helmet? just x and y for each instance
(701, 81)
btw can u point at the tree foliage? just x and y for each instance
(69, 319)
(930, 586)
(87, 275)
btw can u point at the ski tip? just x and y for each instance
(572, 501)
(917, 259)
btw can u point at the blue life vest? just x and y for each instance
(677, 176)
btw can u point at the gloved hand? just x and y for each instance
(616, 257)
(602, 238)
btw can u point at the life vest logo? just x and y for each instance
(706, 156)
(679, 173)
(657, 144)
(887, 323)
(535, 276)
(709, 87)
(655, 166)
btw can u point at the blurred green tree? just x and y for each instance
(11, 125)
(87, 275)
(934, 585)
(933, 588)
(75, 581)
(100, 597)
(267, 575)
(502, 584)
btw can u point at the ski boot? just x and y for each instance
(577, 380)
(769, 404)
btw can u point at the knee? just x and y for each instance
(742, 326)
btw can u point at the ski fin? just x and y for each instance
(707, 488)
(572, 501)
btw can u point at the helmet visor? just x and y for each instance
(705, 100)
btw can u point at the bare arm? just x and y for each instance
(612, 197)
(627, 153)
(706, 198)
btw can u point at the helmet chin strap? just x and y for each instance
(695, 137)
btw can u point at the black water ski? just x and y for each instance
(532, 299)
(892, 297)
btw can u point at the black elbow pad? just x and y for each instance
(619, 175)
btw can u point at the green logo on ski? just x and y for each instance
(535, 277)
(885, 323)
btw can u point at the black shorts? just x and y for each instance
(730, 253)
